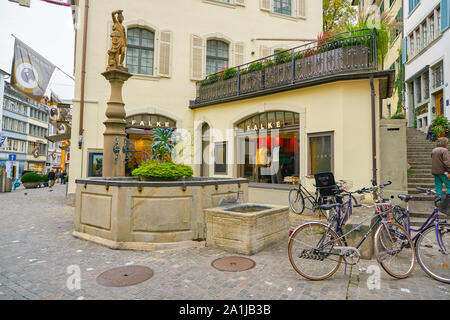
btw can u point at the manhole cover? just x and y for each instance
(233, 264)
(125, 276)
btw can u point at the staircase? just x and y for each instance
(419, 158)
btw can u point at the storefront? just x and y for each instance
(267, 146)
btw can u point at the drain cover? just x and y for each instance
(125, 276)
(233, 264)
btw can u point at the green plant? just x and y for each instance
(398, 116)
(440, 126)
(163, 144)
(229, 73)
(66, 179)
(31, 177)
(163, 170)
(282, 57)
(44, 177)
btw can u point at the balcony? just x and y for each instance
(345, 53)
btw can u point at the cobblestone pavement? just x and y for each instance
(36, 249)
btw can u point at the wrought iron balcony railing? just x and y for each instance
(347, 52)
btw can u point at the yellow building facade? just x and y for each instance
(309, 107)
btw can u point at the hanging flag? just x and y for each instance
(30, 73)
(66, 3)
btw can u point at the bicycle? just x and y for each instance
(299, 194)
(432, 248)
(323, 249)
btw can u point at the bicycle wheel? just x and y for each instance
(296, 201)
(311, 251)
(394, 250)
(429, 254)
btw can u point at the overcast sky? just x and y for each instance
(45, 27)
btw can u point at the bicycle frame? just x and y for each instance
(432, 219)
(309, 196)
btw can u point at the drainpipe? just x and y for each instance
(83, 72)
(374, 132)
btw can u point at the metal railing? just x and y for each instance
(347, 52)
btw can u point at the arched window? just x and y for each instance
(140, 51)
(216, 56)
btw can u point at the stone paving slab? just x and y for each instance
(37, 248)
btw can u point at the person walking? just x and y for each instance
(63, 177)
(441, 165)
(51, 178)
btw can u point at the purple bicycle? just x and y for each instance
(432, 240)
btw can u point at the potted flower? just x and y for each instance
(440, 127)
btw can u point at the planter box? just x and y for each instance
(31, 185)
(278, 75)
(246, 232)
(251, 82)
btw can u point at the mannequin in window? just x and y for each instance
(275, 166)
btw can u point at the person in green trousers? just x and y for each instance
(441, 165)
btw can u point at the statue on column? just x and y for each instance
(119, 43)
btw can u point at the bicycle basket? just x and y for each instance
(444, 206)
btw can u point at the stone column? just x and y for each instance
(114, 135)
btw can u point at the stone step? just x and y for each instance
(420, 166)
(418, 222)
(414, 192)
(426, 179)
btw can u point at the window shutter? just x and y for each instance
(445, 15)
(301, 8)
(240, 2)
(165, 48)
(197, 66)
(238, 54)
(264, 51)
(405, 50)
(266, 5)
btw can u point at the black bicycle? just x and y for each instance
(327, 192)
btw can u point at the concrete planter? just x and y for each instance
(128, 214)
(31, 185)
(246, 232)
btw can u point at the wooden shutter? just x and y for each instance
(165, 48)
(238, 53)
(445, 15)
(405, 50)
(266, 5)
(197, 66)
(240, 2)
(300, 8)
(264, 51)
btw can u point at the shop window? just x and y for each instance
(95, 164)
(321, 155)
(220, 158)
(140, 51)
(216, 56)
(268, 147)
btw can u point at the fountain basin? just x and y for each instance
(125, 213)
(246, 228)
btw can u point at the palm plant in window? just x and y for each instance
(163, 144)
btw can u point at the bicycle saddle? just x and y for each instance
(329, 206)
(405, 197)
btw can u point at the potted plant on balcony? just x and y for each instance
(31, 180)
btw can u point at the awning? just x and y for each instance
(59, 137)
